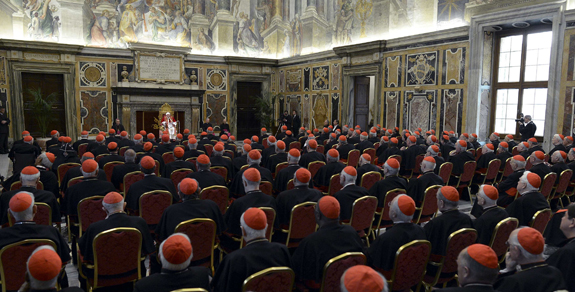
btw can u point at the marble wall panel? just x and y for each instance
(282, 81)
(320, 109)
(93, 74)
(571, 62)
(217, 79)
(306, 120)
(421, 69)
(320, 77)
(94, 111)
(3, 71)
(3, 97)
(420, 109)
(294, 80)
(334, 106)
(453, 66)
(392, 71)
(451, 110)
(306, 78)
(335, 76)
(392, 108)
(294, 103)
(216, 108)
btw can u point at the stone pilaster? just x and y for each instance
(71, 19)
(314, 30)
(223, 30)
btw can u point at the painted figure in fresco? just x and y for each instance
(264, 13)
(344, 23)
(296, 27)
(159, 24)
(99, 30)
(247, 39)
(45, 18)
(56, 28)
(180, 30)
(189, 10)
(129, 20)
(205, 41)
(34, 27)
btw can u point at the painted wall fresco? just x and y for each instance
(256, 28)
(425, 88)
(566, 120)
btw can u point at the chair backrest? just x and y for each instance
(418, 160)
(117, 251)
(547, 184)
(75, 180)
(202, 234)
(109, 169)
(130, 179)
(90, 211)
(295, 144)
(368, 179)
(313, 167)
(279, 167)
(266, 187)
(190, 290)
(468, 171)
(334, 185)
(100, 157)
(123, 150)
(362, 213)
(508, 170)
(218, 194)
(563, 183)
(456, 242)
(492, 170)
(221, 170)
(290, 185)
(445, 171)
(13, 258)
(209, 149)
(63, 168)
(275, 279)
(376, 145)
(157, 169)
(528, 164)
(472, 151)
(501, 234)
(353, 157)
(396, 157)
(387, 202)
(320, 148)
(22, 160)
(82, 149)
(540, 220)
(514, 151)
(265, 143)
(153, 204)
(271, 216)
(478, 153)
(230, 153)
(192, 160)
(302, 221)
(410, 264)
(18, 185)
(168, 157)
(335, 267)
(178, 175)
(429, 205)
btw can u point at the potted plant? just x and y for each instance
(265, 105)
(41, 108)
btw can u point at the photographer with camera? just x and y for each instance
(526, 127)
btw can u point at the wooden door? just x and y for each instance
(361, 97)
(248, 124)
(145, 120)
(48, 83)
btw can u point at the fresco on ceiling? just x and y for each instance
(255, 28)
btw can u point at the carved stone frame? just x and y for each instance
(234, 78)
(347, 110)
(17, 99)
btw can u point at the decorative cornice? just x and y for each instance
(8, 7)
(44, 47)
(361, 49)
(440, 36)
(250, 61)
(315, 57)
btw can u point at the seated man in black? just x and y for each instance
(175, 255)
(539, 167)
(277, 158)
(530, 201)
(381, 253)
(526, 247)
(312, 155)
(192, 151)
(349, 192)
(329, 241)
(564, 257)
(417, 186)
(301, 193)
(334, 166)
(120, 171)
(365, 166)
(478, 268)
(112, 157)
(459, 158)
(343, 148)
(390, 181)
(258, 253)
(284, 175)
(114, 206)
(178, 163)
(507, 188)
(204, 176)
(490, 214)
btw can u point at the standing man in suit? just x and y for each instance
(4, 122)
(295, 122)
(286, 119)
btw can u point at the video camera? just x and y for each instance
(521, 118)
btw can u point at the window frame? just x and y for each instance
(521, 85)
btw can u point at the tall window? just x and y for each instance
(521, 73)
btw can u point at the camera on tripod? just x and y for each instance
(521, 118)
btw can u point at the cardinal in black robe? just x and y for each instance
(485, 224)
(301, 193)
(417, 186)
(564, 258)
(524, 207)
(277, 158)
(311, 155)
(408, 155)
(40, 196)
(365, 166)
(391, 181)
(30, 230)
(121, 170)
(90, 186)
(381, 253)
(150, 183)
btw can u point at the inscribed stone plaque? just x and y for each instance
(160, 68)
